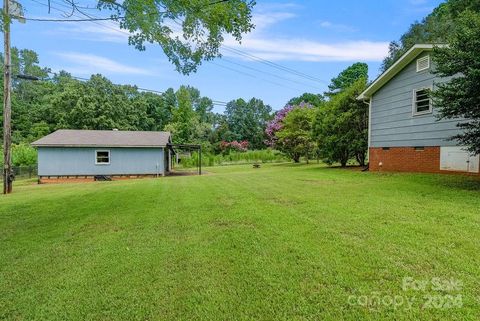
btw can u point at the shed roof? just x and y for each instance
(103, 138)
(401, 63)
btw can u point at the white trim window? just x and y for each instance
(102, 157)
(423, 63)
(422, 103)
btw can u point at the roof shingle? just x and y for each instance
(103, 138)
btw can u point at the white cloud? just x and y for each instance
(276, 6)
(103, 32)
(263, 21)
(264, 43)
(336, 26)
(87, 64)
(309, 50)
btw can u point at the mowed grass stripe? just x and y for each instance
(281, 242)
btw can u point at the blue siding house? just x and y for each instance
(404, 131)
(111, 153)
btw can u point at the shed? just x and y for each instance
(70, 153)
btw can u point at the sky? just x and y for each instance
(309, 42)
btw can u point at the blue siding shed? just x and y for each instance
(103, 152)
(65, 161)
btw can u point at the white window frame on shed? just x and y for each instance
(96, 156)
(423, 63)
(414, 102)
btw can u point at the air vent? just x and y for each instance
(423, 63)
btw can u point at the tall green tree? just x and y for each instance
(435, 28)
(459, 98)
(247, 120)
(295, 136)
(348, 77)
(341, 126)
(307, 98)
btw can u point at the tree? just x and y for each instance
(341, 126)
(435, 28)
(307, 98)
(247, 121)
(202, 106)
(276, 124)
(182, 117)
(348, 77)
(295, 136)
(459, 98)
(204, 24)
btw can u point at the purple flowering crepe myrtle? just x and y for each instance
(276, 124)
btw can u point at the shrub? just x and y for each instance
(22, 155)
(234, 157)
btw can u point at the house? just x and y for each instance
(404, 132)
(103, 153)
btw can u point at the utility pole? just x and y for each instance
(7, 102)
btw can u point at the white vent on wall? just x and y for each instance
(423, 63)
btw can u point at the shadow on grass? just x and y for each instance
(461, 182)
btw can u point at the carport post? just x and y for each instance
(200, 160)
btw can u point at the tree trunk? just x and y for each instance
(344, 159)
(296, 158)
(360, 156)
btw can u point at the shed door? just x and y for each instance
(458, 159)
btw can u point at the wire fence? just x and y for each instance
(23, 172)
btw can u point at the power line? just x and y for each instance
(266, 62)
(94, 19)
(268, 73)
(68, 20)
(253, 76)
(273, 64)
(214, 102)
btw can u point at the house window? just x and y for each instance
(419, 148)
(423, 63)
(102, 157)
(422, 104)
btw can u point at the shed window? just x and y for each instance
(423, 63)
(422, 104)
(102, 157)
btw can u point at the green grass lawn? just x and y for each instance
(282, 242)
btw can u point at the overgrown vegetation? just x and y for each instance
(233, 157)
(22, 155)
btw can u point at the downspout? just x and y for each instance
(369, 103)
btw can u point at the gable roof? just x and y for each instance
(401, 63)
(103, 138)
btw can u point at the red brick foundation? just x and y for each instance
(406, 159)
